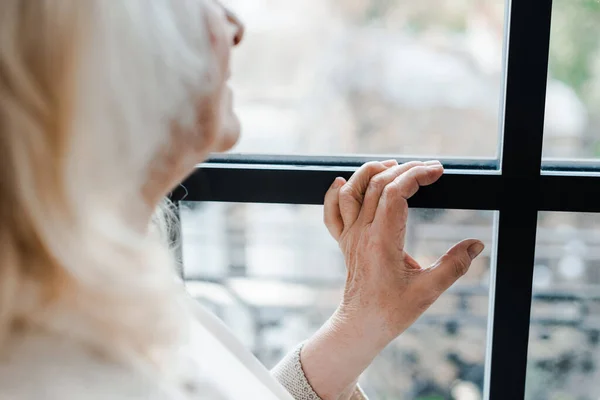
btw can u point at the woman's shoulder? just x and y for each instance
(209, 365)
(42, 366)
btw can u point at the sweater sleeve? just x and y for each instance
(290, 374)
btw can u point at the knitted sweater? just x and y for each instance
(290, 374)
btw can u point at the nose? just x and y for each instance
(237, 25)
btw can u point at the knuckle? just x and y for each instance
(376, 185)
(350, 194)
(372, 164)
(461, 265)
(346, 191)
(373, 167)
(391, 191)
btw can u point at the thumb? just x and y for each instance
(454, 264)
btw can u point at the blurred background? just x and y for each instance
(402, 78)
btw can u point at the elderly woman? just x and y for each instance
(105, 106)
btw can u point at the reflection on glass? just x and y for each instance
(370, 76)
(274, 275)
(564, 343)
(573, 97)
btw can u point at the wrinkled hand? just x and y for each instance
(385, 287)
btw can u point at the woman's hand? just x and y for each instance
(386, 289)
(367, 216)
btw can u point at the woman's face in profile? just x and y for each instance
(226, 32)
(217, 127)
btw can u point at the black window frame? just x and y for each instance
(518, 186)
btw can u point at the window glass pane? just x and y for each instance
(274, 275)
(369, 76)
(573, 97)
(564, 351)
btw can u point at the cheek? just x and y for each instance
(216, 126)
(187, 147)
(195, 142)
(222, 53)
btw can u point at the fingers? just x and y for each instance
(452, 265)
(331, 211)
(378, 183)
(352, 193)
(390, 163)
(392, 209)
(408, 184)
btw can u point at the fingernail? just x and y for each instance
(390, 163)
(433, 162)
(338, 182)
(475, 249)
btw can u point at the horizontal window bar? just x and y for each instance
(285, 184)
(457, 189)
(560, 192)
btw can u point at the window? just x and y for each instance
(274, 275)
(499, 190)
(370, 77)
(564, 351)
(573, 93)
